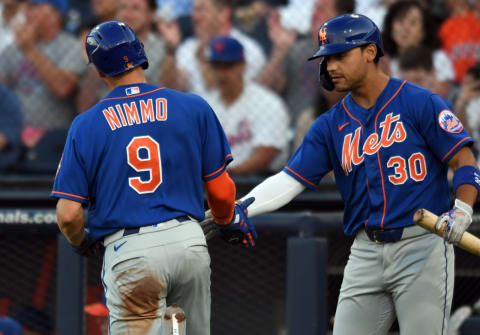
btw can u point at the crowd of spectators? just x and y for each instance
(264, 91)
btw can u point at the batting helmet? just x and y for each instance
(114, 48)
(343, 33)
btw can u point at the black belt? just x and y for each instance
(131, 231)
(384, 235)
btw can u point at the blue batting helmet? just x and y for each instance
(343, 33)
(114, 48)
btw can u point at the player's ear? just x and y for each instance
(370, 52)
(100, 73)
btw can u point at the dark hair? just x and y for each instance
(224, 3)
(152, 4)
(474, 71)
(399, 9)
(416, 58)
(344, 6)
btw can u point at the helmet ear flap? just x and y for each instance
(324, 77)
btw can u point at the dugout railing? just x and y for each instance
(250, 288)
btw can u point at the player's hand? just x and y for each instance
(455, 222)
(240, 229)
(88, 247)
(209, 227)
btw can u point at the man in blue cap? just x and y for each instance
(254, 118)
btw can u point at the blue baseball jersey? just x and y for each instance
(389, 160)
(140, 157)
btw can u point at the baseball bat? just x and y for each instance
(427, 220)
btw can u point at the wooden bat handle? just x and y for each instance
(427, 220)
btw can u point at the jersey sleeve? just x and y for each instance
(71, 179)
(442, 130)
(311, 161)
(216, 150)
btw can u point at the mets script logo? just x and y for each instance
(322, 35)
(392, 131)
(449, 122)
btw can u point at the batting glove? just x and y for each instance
(88, 247)
(241, 230)
(455, 222)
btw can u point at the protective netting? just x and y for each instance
(248, 286)
(28, 276)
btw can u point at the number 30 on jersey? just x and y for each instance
(151, 164)
(415, 168)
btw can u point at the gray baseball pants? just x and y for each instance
(159, 266)
(411, 279)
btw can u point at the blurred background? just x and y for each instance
(266, 96)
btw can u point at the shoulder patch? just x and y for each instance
(449, 122)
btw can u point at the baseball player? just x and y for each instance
(389, 144)
(139, 159)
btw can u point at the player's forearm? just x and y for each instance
(221, 193)
(464, 192)
(273, 193)
(61, 83)
(467, 193)
(71, 221)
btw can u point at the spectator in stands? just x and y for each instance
(255, 119)
(187, 68)
(178, 10)
(375, 9)
(139, 15)
(10, 128)
(9, 326)
(42, 68)
(287, 59)
(104, 10)
(251, 17)
(296, 15)
(12, 14)
(467, 104)
(460, 36)
(408, 24)
(457, 7)
(416, 65)
(322, 102)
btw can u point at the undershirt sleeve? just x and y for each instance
(273, 193)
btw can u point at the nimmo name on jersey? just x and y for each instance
(136, 112)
